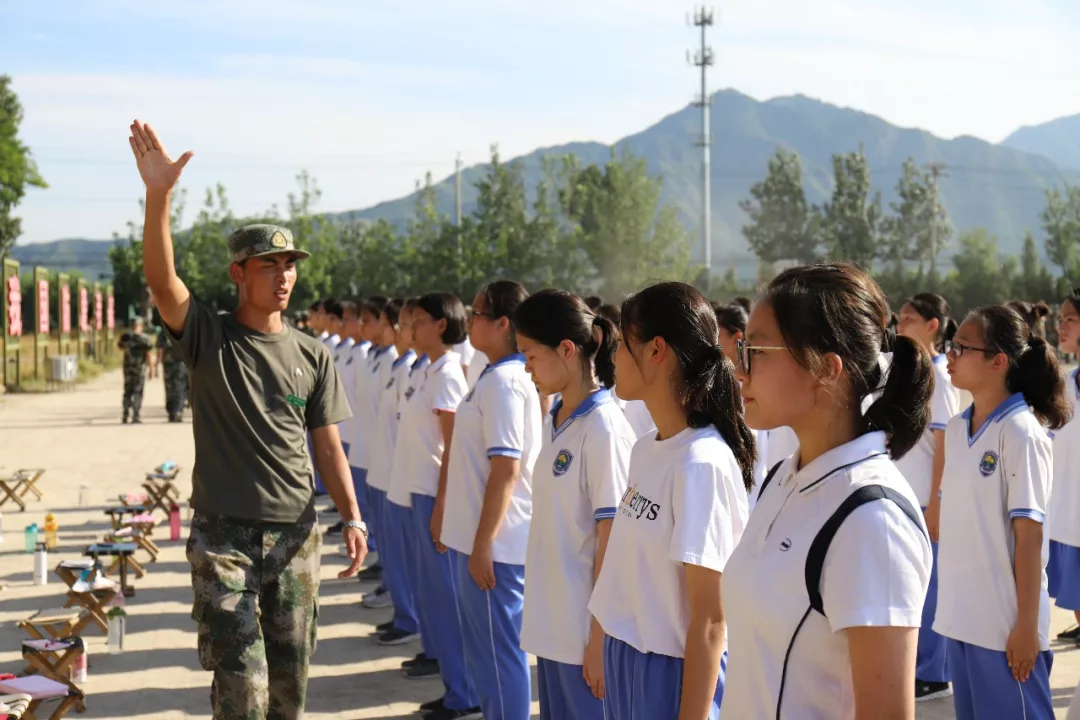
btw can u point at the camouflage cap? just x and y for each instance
(259, 240)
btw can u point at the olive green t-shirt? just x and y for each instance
(255, 398)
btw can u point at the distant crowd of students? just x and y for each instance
(800, 507)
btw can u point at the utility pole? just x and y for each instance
(936, 170)
(703, 59)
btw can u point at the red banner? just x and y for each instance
(14, 293)
(84, 310)
(65, 308)
(110, 311)
(99, 310)
(43, 306)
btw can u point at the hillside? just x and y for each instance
(90, 257)
(1058, 139)
(990, 186)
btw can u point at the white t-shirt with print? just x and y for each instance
(579, 478)
(500, 417)
(685, 504)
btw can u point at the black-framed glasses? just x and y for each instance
(958, 349)
(744, 351)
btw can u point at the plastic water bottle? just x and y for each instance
(41, 565)
(84, 495)
(117, 627)
(1, 528)
(78, 668)
(174, 522)
(31, 537)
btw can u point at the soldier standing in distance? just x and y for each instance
(261, 388)
(136, 347)
(175, 377)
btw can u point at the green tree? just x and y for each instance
(562, 262)
(782, 225)
(202, 252)
(851, 219)
(1061, 223)
(125, 256)
(909, 233)
(1035, 281)
(17, 168)
(981, 276)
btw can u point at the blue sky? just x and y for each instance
(368, 96)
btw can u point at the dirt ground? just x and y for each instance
(77, 436)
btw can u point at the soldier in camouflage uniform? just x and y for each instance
(176, 377)
(136, 347)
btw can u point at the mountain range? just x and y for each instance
(999, 187)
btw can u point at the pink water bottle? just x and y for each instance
(174, 522)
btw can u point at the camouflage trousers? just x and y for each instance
(256, 604)
(175, 388)
(134, 382)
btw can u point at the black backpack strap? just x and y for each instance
(769, 477)
(815, 559)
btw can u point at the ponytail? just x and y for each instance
(606, 345)
(947, 333)
(1037, 375)
(903, 410)
(708, 389)
(711, 390)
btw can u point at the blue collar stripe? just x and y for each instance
(401, 359)
(1014, 401)
(587, 405)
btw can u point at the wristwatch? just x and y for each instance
(358, 524)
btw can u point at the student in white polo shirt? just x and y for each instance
(824, 593)
(1063, 568)
(635, 411)
(487, 497)
(992, 596)
(925, 319)
(579, 477)
(658, 594)
(438, 324)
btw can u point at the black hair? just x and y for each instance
(1031, 313)
(446, 306)
(593, 302)
(409, 304)
(732, 318)
(374, 305)
(316, 306)
(932, 306)
(348, 307)
(333, 307)
(709, 391)
(612, 313)
(503, 298)
(838, 308)
(392, 310)
(1034, 370)
(551, 316)
(742, 302)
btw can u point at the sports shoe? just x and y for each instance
(420, 658)
(383, 627)
(445, 713)
(372, 573)
(395, 636)
(432, 705)
(377, 599)
(931, 690)
(429, 668)
(1072, 633)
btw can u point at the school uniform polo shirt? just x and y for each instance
(499, 417)
(441, 388)
(1063, 519)
(917, 465)
(685, 504)
(391, 378)
(399, 490)
(353, 431)
(875, 574)
(1003, 470)
(579, 478)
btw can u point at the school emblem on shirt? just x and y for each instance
(989, 463)
(562, 462)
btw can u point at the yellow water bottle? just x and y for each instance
(50, 532)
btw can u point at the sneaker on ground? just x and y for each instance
(395, 636)
(383, 627)
(432, 705)
(1072, 633)
(427, 669)
(421, 657)
(371, 573)
(446, 713)
(335, 529)
(376, 600)
(931, 690)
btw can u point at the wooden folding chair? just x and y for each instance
(52, 624)
(124, 560)
(116, 514)
(133, 499)
(129, 534)
(13, 706)
(30, 476)
(10, 489)
(161, 490)
(53, 659)
(42, 689)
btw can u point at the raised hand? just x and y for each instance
(159, 172)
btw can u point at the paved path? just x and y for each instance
(77, 435)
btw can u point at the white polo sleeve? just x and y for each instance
(877, 570)
(703, 533)
(504, 416)
(943, 406)
(448, 387)
(1028, 464)
(607, 463)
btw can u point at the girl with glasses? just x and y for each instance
(824, 592)
(658, 594)
(925, 319)
(579, 477)
(992, 597)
